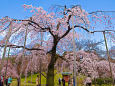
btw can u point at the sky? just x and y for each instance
(14, 8)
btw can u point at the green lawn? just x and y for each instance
(28, 82)
(33, 83)
(43, 80)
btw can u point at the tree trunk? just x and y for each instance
(54, 57)
(50, 76)
(50, 73)
(18, 82)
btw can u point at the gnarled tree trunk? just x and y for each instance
(50, 73)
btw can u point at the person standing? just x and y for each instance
(88, 81)
(2, 80)
(6, 81)
(37, 80)
(59, 80)
(9, 80)
(63, 82)
(72, 82)
(69, 82)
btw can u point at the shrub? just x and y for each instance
(101, 81)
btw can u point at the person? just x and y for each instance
(37, 80)
(2, 80)
(9, 80)
(59, 80)
(69, 82)
(114, 79)
(72, 82)
(88, 81)
(63, 82)
(6, 81)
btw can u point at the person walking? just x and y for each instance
(88, 81)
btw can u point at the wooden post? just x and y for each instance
(40, 57)
(40, 71)
(7, 63)
(108, 57)
(7, 40)
(31, 69)
(74, 54)
(4, 53)
(23, 55)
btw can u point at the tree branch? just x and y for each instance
(101, 11)
(74, 27)
(16, 46)
(64, 59)
(30, 22)
(82, 28)
(68, 28)
(102, 31)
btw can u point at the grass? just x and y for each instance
(80, 80)
(33, 83)
(43, 81)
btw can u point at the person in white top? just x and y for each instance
(88, 81)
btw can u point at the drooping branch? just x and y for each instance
(82, 28)
(31, 22)
(16, 46)
(102, 31)
(101, 12)
(71, 29)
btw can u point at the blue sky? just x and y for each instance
(14, 8)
